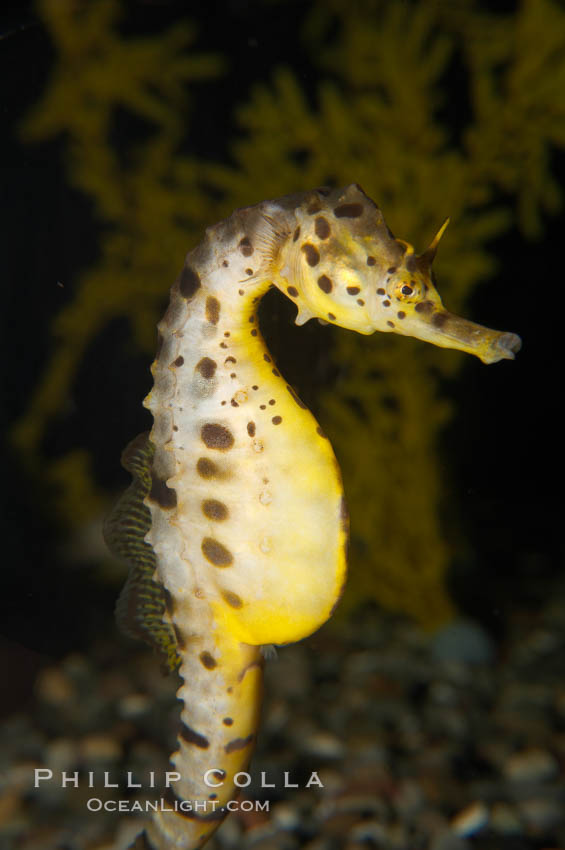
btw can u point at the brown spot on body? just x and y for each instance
(245, 246)
(276, 420)
(298, 400)
(424, 307)
(390, 324)
(311, 253)
(216, 553)
(254, 332)
(331, 317)
(401, 314)
(165, 497)
(276, 373)
(296, 234)
(325, 284)
(391, 270)
(179, 361)
(348, 211)
(353, 290)
(266, 358)
(292, 291)
(228, 721)
(272, 401)
(189, 282)
(371, 261)
(439, 319)
(207, 367)
(238, 744)
(206, 468)
(216, 436)
(208, 660)
(214, 509)
(232, 599)
(249, 272)
(212, 309)
(386, 303)
(381, 291)
(322, 227)
(229, 360)
(251, 429)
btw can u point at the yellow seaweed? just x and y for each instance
(379, 119)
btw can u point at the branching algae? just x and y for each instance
(381, 111)
(237, 501)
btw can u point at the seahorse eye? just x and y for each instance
(410, 290)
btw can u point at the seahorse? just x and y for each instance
(235, 525)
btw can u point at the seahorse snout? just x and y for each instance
(508, 345)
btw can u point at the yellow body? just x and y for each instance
(248, 523)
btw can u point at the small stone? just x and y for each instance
(133, 705)
(541, 814)
(53, 686)
(324, 745)
(504, 819)
(60, 754)
(463, 642)
(449, 841)
(531, 765)
(285, 816)
(470, 820)
(370, 832)
(99, 748)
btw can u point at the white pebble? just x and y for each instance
(471, 819)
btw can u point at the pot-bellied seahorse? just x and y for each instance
(235, 525)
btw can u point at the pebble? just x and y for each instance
(324, 745)
(470, 820)
(541, 814)
(99, 748)
(369, 832)
(531, 765)
(400, 739)
(449, 841)
(463, 642)
(53, 686)
(133, 705)
(505, 820)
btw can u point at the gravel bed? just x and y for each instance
(414, 743)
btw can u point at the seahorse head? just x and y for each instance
(343, 265)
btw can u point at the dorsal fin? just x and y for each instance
(141, 606)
